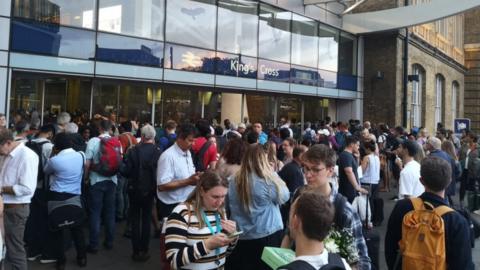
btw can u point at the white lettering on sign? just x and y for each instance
(269, 71)
(236, 66)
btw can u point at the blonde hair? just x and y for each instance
(254, 161)
(207, 181)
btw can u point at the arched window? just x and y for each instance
(417, 93)
(439, 86)
(455, 88)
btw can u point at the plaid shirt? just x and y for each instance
(352, 220)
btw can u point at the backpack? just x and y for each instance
(37, 147)
(334, 263)
(308, 136)
(110, 157)
(142, 180)
(198, 157)
(423, 237)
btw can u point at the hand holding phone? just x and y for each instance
(234, 234)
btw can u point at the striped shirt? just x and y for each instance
(185, 241)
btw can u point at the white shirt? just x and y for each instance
(409, 183)
(173, 165)
(371, 175)
(19, 170)
(318, 261)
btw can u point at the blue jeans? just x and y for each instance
(102, 199)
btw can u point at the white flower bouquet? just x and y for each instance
(343, 243)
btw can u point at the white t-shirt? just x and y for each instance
(409, 183)
(317, 261)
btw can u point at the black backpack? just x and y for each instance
(334, 263)
(142, 175)
(37, 147)
(198, 157)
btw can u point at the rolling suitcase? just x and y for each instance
(372, 238)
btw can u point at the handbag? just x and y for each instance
(67, 213)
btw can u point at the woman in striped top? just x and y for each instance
(196, 230)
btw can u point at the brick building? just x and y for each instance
(472, 63)
(435, 55)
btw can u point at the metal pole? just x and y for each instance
(405, 76)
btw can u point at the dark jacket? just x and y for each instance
(457, 234)
(455, 170)
(473, 166)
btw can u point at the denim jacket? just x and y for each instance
(264, 218)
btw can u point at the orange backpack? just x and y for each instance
(423, 237)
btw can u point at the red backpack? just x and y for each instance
(110, 157)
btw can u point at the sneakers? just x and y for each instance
(46, 260)
(33, 257)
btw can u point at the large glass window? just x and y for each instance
(49, 39)
(316, 109)
(143, 18)
(304, 75)
(126, 50)
(64, 12)
(238, 27)
(261, 109)
(178, 103)
(274, 34)
(236, 65)
(192, 22)
(328, 48)
(36, 97)
(347, 55)
(417, 94)
(455, 88)
(439, 86)
(189, 59)
(304, 41)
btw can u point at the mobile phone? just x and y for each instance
(234, 234)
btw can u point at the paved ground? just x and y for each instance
(119, 257)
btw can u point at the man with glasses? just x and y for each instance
(318, 166)
(348, 184)
(18, 180)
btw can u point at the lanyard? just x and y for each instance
(218, 226)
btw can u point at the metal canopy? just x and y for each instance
(401, 17)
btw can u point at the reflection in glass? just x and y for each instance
(347, 82)
(143, 18)
(328, 48)
(64, 12)
(315, 109)
(26, 99)
(273, 71)
(70, 94)
(237, 26)
(236, 65)
(304, 75)
(274, 34)
(52, 40)
(133, 103)
(178, 103)
(126, 50)
(327, 79)
(105, 99)
(261, 109)
(347, 52)
(304, 41)
(290, 108)
(189, 59)
(192, 22)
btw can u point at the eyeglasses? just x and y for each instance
(313, 171)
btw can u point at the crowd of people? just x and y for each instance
(217, 196)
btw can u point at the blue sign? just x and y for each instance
(461, 124)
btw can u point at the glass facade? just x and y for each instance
(141, 18)
(237, 27)
(192, 22)
(235, 38)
